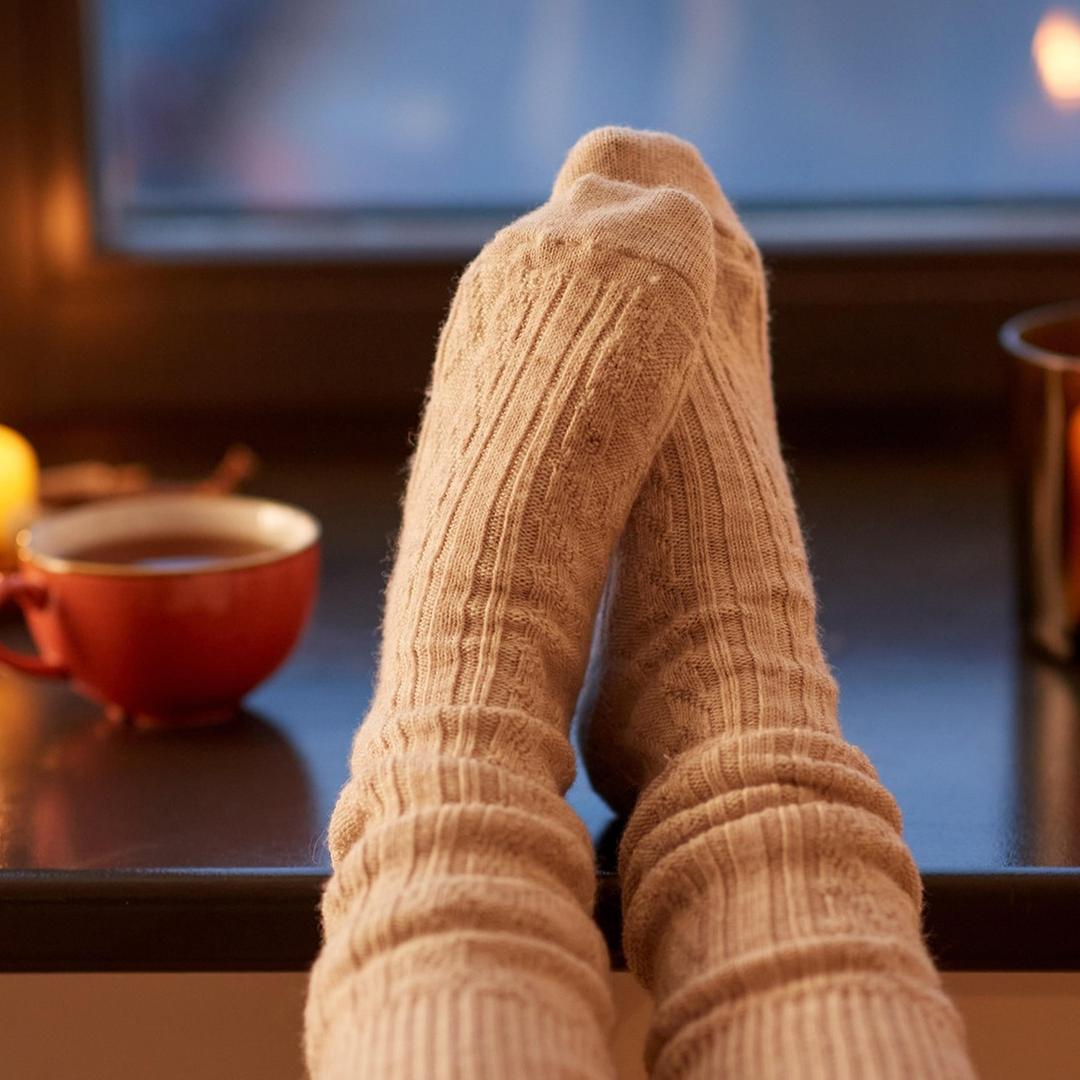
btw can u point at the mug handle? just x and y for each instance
(26, 595)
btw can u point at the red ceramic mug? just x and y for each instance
(167, 608)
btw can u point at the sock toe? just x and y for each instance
(595, 218)
(647, 159)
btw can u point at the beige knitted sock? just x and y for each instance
(459, 933)
(769, 901)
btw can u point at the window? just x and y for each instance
(242, 126)
(260, 206)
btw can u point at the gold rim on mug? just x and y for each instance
(1014, 340)
(61, 565)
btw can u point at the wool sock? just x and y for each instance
(769, 901)
(459, 938)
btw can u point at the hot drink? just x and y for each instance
(167, 608)
(170, 552)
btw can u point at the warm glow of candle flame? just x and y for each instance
(1056, 49)
(64, 220)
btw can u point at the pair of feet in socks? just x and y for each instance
(601, 412)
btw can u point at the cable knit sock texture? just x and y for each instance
(769, 900)
(459, 939)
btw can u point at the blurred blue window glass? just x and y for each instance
(330, 113)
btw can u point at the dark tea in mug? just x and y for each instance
(169, 551)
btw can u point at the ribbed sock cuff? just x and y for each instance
(475, 1028)
(864, 1026)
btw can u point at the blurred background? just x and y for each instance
(234, 221)
(227, 207)
(383, 118)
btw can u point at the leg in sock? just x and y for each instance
(459, 934)
(769, 901)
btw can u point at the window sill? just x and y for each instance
(205, 850)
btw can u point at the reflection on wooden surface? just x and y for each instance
(96, 795)
(121, 798)
(20, 740)
(1048, 731)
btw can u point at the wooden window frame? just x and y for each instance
(87, 332)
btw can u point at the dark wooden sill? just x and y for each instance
(205, 850)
